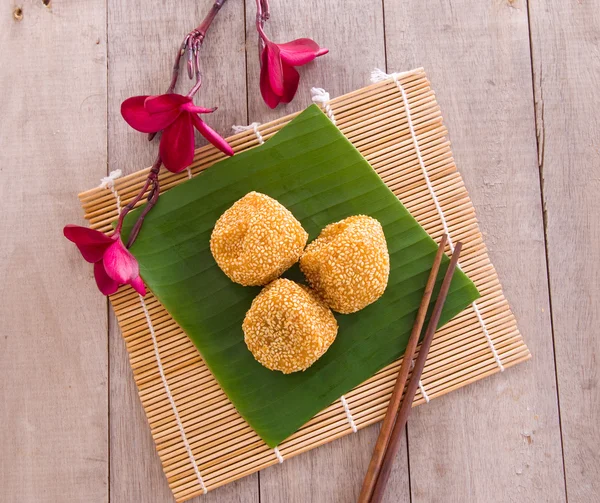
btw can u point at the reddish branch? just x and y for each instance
(191, 48)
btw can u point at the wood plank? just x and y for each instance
(143, 40)
(333, 472)
(566, 72)
(497, 440)
(53, 342)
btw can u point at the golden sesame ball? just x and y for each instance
(348, 265)
(256, 240)
(288, 327)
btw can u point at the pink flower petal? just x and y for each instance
(119, 263)
(137, 116)
(299, 52)
(190, 107)
(271, 99)
(291, 79)
(211, 135)
(274, 68)
(202, 110)
(105, 283)
(138, 285)
(177, 144)
(165, 102)
(92, 244)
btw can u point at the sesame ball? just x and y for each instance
(256, 240)
(288, 327)
(348, 265)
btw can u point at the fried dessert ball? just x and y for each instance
(256, 240)
(348, 265)
(288, 327)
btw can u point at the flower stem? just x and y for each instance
(152, 199)
(205, 25)
(197, 85)
(191, 45)
(262, 12)
(151, 180)
(175, 73)
(266, 13)
(262, 15)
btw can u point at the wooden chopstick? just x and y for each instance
(405, 407)
(393, 406)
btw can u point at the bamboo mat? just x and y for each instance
(202, 441)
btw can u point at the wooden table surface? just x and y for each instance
(518, 86)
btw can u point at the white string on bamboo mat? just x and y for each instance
(423, 392)
(319, 95)
(249, 127)
(278, 454)
(171, 399)
(421, 387)
(189, 172)
(108, 182)
(348, 413)
(378, 75)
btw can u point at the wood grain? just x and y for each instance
(332, 473)
(53, 355)
(566, 80)
(144, 38)
(498, 440)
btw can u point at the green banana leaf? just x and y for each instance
(313, 170)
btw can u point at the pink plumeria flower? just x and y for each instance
(114, 265)
(278, 77)
(176, 116)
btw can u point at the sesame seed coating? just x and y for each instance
(257, 240)
(348, 265)
(288, 327)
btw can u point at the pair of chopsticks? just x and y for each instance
(397, 413)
